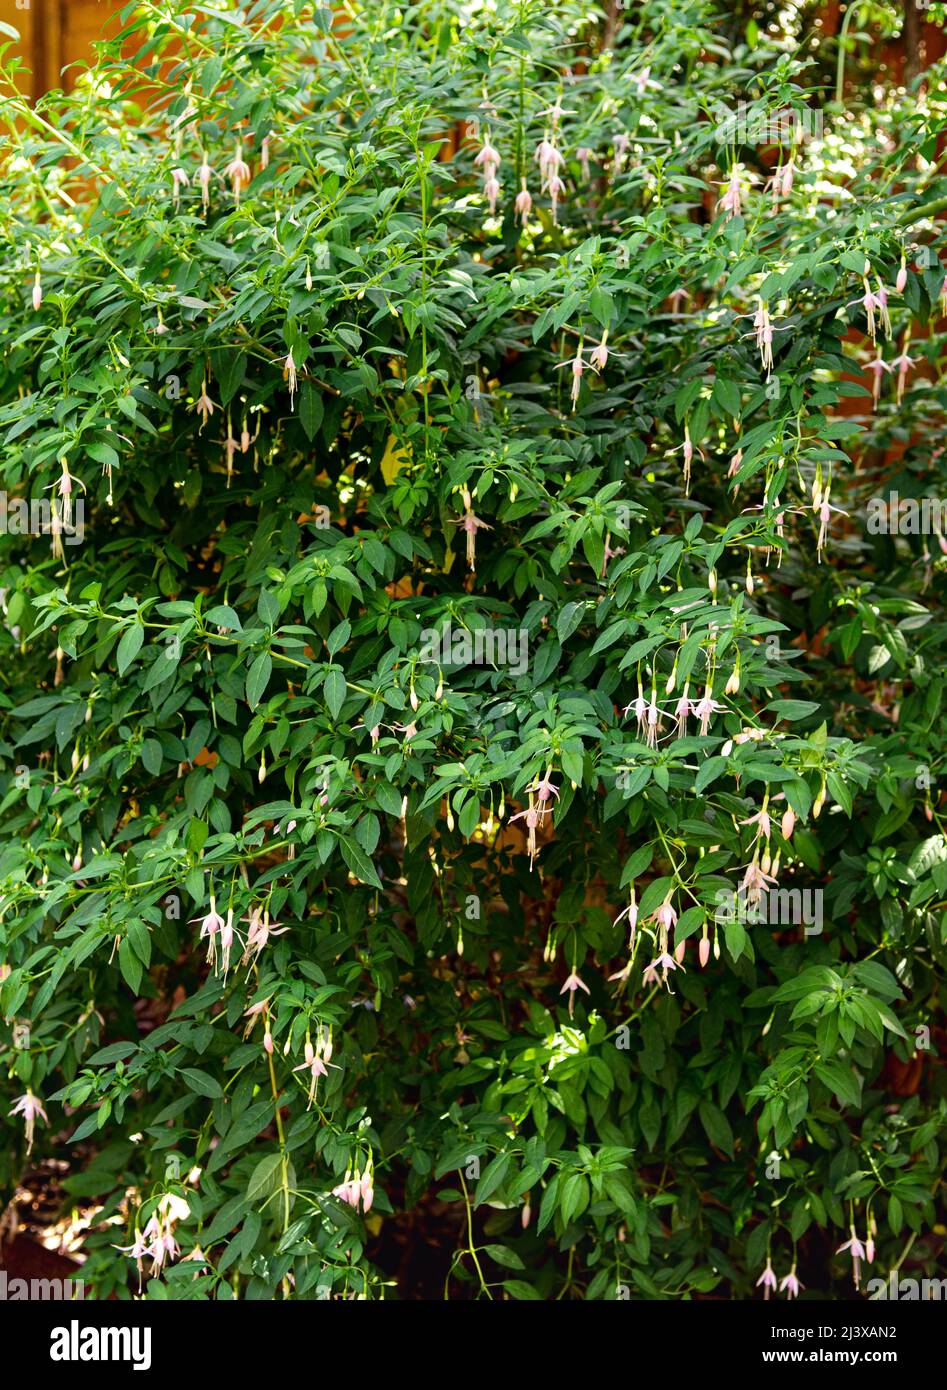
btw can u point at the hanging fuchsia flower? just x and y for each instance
(30, 1108)
(543, 790)
(705, 709)
(179, 180)
(491, 191)
(549, 160)
(583, 154)
(790, 1285)
(572, 984)
(904, 363)
(869, 302)
(204, 175)
(211, 924)
(881, 298)
(732, 200)
(764, 337)
(879, 366)
(825, 510)
(754, 881)
(487, 159)
(578, 367)
(523, 204)
(204, 406)
(664, 963)
(620, 145)
(289, 375)
(598, 357)
(238, 172)
(767, 1279)
(532, 817)
(902, 276)
(265, 152)
(642, 81)
(260, 929)
(470, 524)
(682, 710)
(556, 188)
(858, 1254)
(762, 822)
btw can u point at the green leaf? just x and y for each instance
(310, 409)
(258, 678)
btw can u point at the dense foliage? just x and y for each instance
(463, 580)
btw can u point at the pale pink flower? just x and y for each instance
(703, 951)
(902, 277)
(204, 175)
(664, 963)
(704, 710)
(488, 158)
(523, 204)
(211, 924)
(204, 406)
(238, 172)
(788, 823)
(858, 1254)
(289, 375)
(30, 1107)
(583, 154)
(790, 1285)
(572, 984)
(904, 363)
(878, 366)
(491, 191)
(265, 152)
(767, 1279)
(179, 180)
(598, 357)
(470, 524)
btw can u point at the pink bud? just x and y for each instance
(679, 951)
(703, 951)
(902, 279)
(788, 822)
(268, 1043)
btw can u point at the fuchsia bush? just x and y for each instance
(471, 746)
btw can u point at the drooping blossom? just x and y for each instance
(317, 1060)
(767, 1279)
(869, 302)
(904, 363)
(790, 1285)
(238, 172)
(664, 963)
(470, 524)
(620, 145)
(204, 406)
(734, 192)
(879, 366)
(857, 1252)
(532, 818)
(30, 1107)
(598, 357)
(523, 203)
(259, 931)
(572, 984)
(705, 709)
(211, 924)
(583, 154)
(179, 180)
(578, 367)
(204, 175)
(289, 375)
(825, 510)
